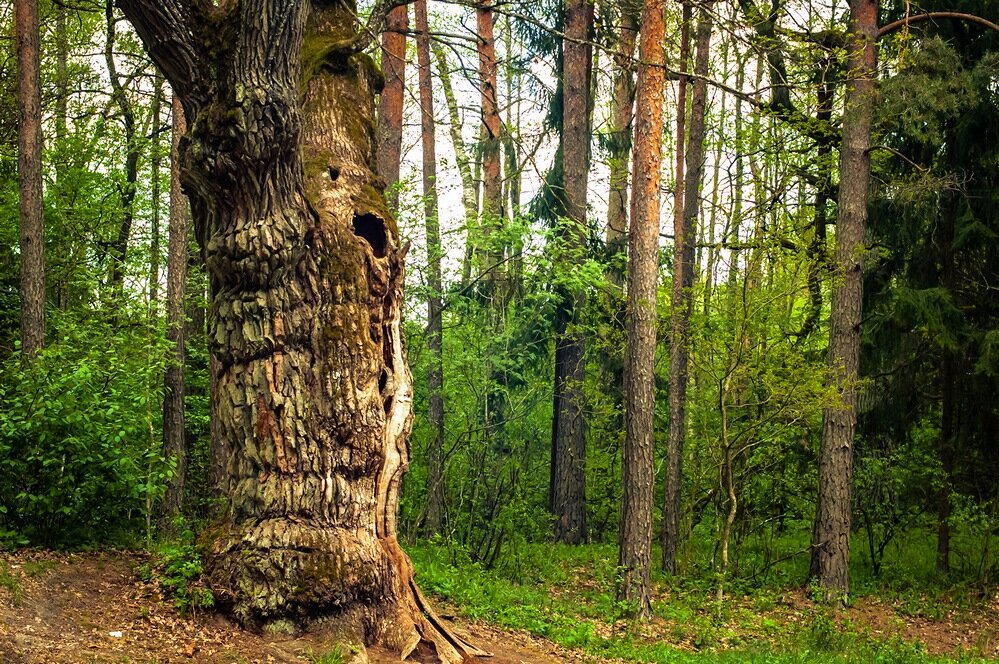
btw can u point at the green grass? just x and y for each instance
(335, 656)
(11, 582)
(566, 594)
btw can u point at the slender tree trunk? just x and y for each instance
(174, 441)
(817, 247)
(569, 459)
(685, 235)
(635, 533)
(119, 247)
(831, 547)
(29, 173)
(947, 437)
(390, 104)
(710, 268)
(154, 175)
(469, 188)
(435, 372)
(946, 452)
(492, 181)
(312, 389)
(620, 139)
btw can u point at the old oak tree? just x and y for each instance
(312, 392)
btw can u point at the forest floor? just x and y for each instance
(77, 608)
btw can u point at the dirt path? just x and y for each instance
(82, 608)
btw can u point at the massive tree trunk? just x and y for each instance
(29, 173)
(635, 533)
(313, 394)
(435, 372)
(390, 104)
(685, 235)
(568, 489)
(831, 545)
(174, 438)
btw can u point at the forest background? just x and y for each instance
(509, 169)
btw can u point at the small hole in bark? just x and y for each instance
(382, 381)
(372, 229)
(334, 173)
(388, 404)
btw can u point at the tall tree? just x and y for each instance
(154, 176)
(635, 532)
(619, 140)
(313, 393)
(831, 543)
(435, 326)
(29, 171)
(569, 441)
(174, 439)
(469, 187)
(688, 205)
(390, 104)
(491, 220)
(119, 246)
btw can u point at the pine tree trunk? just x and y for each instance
(435, 372)
(831, 547)
(568, 489)
(174, 438)
(685, 234)
(635, 533)
(312, 390)
(29, 173)
(492, 181)
(390, 104)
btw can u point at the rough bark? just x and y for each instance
(619, 141)
(174, 439)
(831, 546)
(568, 489)
(685, 236)
(390, 104)
(635, 533)
(29, 173)
(469, 188)
(312, 390)
(435, 371)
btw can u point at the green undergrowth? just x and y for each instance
(566, 594)
(176, 566)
